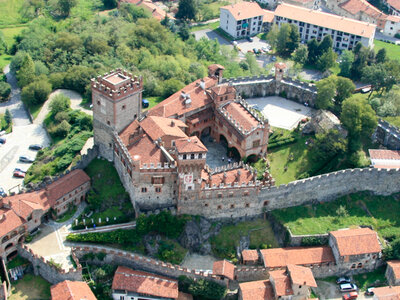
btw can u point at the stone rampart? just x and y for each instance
(86, 159)
(251, 273)
(47, 271)
(387, 135)
(299, 240)
(131, 260)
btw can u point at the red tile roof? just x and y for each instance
(145, 151)
(66, 184)
(9, 221)
(268, 16)
(174, 105)
(393, 18)
(249, 256)
(241, 115)
(281, 283)
(224, 268)
(144, 283)
(394, 3)
(72, 290)
(231, 177)
(387, 293)
(355, 6)
(395, 265)
(325, 20)
(244, 10)
(158, 127)
(301, 275)
(223, 89)
(257, 290)
(25, 204)
(184, 296)
(190, 145)
(384, 154)
(356, 241)
(281, 257)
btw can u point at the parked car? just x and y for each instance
(19, 174)
(348, 287)
(249, 38)
(20, 170)
(273, 58)
(343, 279)
(25, 159)
(350, 296)
(3, 132)
(369, 291)
(2, 192)
(2, 140)
(35, 147)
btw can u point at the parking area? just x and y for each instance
(280, 112)
(330, 290)
(245, 46)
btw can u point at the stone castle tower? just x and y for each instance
(117, 100)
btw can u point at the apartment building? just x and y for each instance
(242, 19)
(345, 32)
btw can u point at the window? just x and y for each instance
(247, 205)
(157, 180)
(219, 195)
(256, 143)
(219, 207)
(108, 123)
(144, 190)
(206, 205)
(192, 156)
(98, 102)
(359, 266)
(123, 107)
(158, 190)
(353, 266)
(184, 156)
(266, 203)
(200, 156)
(232, 205)
(246, 193)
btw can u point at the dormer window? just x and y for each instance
(192, 156)
(184, 156)
(200, 156)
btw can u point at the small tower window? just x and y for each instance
(200, 156)
(98, 102)
(108, 123)
(184, 156)
(144, 190)
(123, 107)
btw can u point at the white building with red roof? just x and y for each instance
(384, 159)
(393, 6)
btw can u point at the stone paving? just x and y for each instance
(215, 153)
(198, 262)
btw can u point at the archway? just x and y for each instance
(252, 158)
(12, 255)
(21, 239)
(195, 133)
(206, 132)
(234, 153)
(223, 141)
(8, 246)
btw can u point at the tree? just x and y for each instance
(26, 72)
(186, 10)
(378, 77)
(359, 119)
(59, 103)
(300, 55)
(110, 4)
(7, 117)
(346, 60)
(312, 51)
(326, 91)
(344, 89)
(393, 250)
(272, 36)
(3, 44)
(283, 38)
(326, 60)
(325, 45)
(5, 90)
(327, 145)
(294, 39)
(64, 7)
(62, 129)
(36, 92)
(381, 56)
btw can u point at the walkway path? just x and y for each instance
(129, 225)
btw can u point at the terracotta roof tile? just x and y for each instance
(268, 16)
(356, 241)
(144, 283)
(174, 105)
(281, 283)
(66, 184)
(249, 256)
(184, 296)
(25, 204)
(223, 89)
(244, 10)
(9, 221)
(71, 290)
(241, 115)
(301, 275)
(257, 290)
(394, 3)
(231, 177)
(384, 154)
(158, 127)
(325, 20)
(386, 166)
(395, 265)
(281, 257)
(224, 268)
(355, 6)
(145, 151)
(393, 18)
(387, 293)
(215, 67)
(190, 145)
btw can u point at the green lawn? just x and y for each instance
(10, 12)
(67, 215)
(261, 235)
(322, 218)
(17, 261)
(211, 26)
(30, 287)
(395, 121)
(371, 279)
(153, 101)
(9, 34)
(392, 51)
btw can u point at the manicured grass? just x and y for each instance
(322, 218)
(84, 9)
(30, 287)
(222, 33)
(5, 59)
(224, 244)
(17, 261)
(371, 279)
(67, 215)
(10, 32)
(153, 101)
(211, 26)
(10, 12)
(395, 121)
(34, 109)
(392, 51)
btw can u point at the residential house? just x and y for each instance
(225, 269)
(392, 273)
(250, 257)
(384, 159)
(71, 290)
(387, 293)
(393, 6)
(392, 25)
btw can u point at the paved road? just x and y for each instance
(24, 133)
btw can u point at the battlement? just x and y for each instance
(117, 84)
(158, 166)
(252, 111)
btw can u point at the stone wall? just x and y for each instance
(50, 273)
(251, 273)
(86, 159)
(297, 240)
(143, 263)
(387, 135)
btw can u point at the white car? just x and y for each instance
(348, 287)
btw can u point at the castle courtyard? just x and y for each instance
(280, 112)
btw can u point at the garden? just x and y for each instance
(30, 287)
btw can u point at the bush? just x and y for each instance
(60, 103)
(62, 129)
(314, 241)
(36, 92)
(204, 289)
(62, 116)
(5, 91)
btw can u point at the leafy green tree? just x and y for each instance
(8, 117)
(64, 7)
(36, 92)
(186, 10)
(300, 55)
(272, 36)
(346, 60)
(326, 60)
(328, 145)
(294, 39)
(344, 89)
(325, 45)
(313, 51)
(379, 77)
(110, 4)
(171, 86)
(393, 250)
(326, 91)
(359, 119)
(26, 73)
(5, 90)
(359, 63)
(3, 44)
(132, 12)
(381, 56)
(59, 103)
(287, 40)
(40, 68)
(62, 129)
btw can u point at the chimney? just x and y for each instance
(172, 123)
(224, 178)
(202, 84)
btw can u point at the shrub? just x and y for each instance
(204, 289)
(62, 129)
(313, 241)
(5, 91)
(60, 103)
(64, 162)
(36, 92)
(61, 116)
